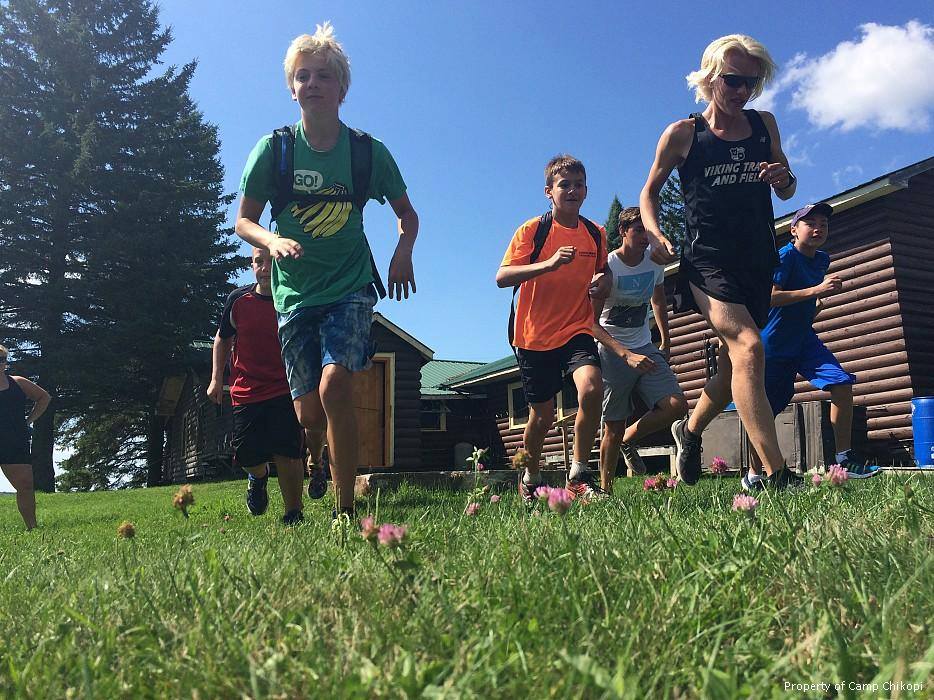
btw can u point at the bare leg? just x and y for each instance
(716, 395)
(337, 400)
(841, 415)
(315, 425)
(541, 418)
(291, 475)
(739, 333)
(662, 415)
(589, 383)
(20, 477)
(609, 452)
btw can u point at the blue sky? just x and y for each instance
(473, 99)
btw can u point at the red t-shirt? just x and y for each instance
(256, 369)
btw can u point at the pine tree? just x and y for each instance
(671, 212)
(111, 212)
(612, 224)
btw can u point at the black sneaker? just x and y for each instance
(585, 486)
(756, 484)
(318, 476)
(856, 468)
(293, 517)
(785, 480)
(632, 458)
(689, 449)
(257, 500)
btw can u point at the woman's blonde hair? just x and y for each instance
(4, 353)
(715, 56)
(322, 43)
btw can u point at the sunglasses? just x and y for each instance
(737, 81)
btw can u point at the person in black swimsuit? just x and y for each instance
(15, 462)
(730, 160)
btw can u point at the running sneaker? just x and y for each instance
(257, 500)
(784, 480)
(689, 449)
(856, 468)
(527, 491)
(757, 483)
(632, 458)
(318, 475)
(586, 486)
(293, 517)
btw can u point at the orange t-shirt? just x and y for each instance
(555, 306)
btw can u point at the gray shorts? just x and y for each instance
(620, 381)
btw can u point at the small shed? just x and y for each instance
(453, 422)
(387, 398)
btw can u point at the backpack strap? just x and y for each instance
(283, 159)
(538, 243)
(361, 169)
(594, 232)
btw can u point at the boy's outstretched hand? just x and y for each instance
(401, 275)
(281, 247)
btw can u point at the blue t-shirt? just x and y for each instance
(789, 326)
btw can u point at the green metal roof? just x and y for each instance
(438, 372)
(505, 365)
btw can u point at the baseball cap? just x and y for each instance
(820, 208)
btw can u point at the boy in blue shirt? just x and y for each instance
(791, 345)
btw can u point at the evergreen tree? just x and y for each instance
(671, 212)
(111, 214)
(612, 224)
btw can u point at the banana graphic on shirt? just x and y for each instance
(324, 219)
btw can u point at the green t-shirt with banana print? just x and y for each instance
(335, 260)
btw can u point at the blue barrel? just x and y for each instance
(922, 427)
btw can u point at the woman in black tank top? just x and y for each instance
(15, 463)
(730, 161)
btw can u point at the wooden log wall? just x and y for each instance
(911, 212)
(407, 436)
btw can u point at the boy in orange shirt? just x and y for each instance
(554, 322)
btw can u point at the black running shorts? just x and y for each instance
(264, 429)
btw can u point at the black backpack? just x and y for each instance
(538, 243)
(361, 167)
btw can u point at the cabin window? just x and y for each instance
(518, 406)
(434, 416)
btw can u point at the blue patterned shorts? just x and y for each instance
(336, 333)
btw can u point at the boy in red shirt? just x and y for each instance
(554, 325)
(265, 425)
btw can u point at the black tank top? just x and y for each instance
(12, 414)
(727, 209)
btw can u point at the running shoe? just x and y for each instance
(632, 458)
(586, 486)
(257, 500)
(318, 475)
(689, 449)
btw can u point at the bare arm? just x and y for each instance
(401, 270)
(660, 309)
(777, 172)
(35, 393)
(511, 275)
(219, 355)
(672, 149)
(248, 228)
(638, 362)
(831, 285)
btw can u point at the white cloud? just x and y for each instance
(797, 152)
(884, 80)
(844, 178)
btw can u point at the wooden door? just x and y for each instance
(370, 405)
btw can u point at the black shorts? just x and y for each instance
(264, 429)
(543, 371)
(15, 452)
(750, 286)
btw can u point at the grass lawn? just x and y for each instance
(646, 595)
